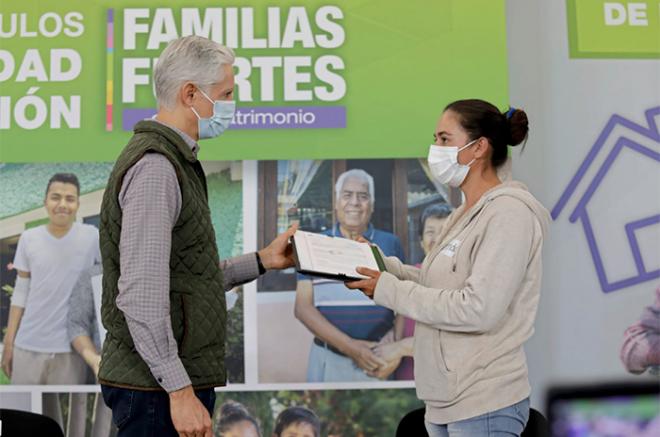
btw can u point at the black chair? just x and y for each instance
(412, 424)
(23, 423)
(537, 425)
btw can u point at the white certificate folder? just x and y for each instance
(333, 257)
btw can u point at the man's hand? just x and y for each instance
(360, 352)
(367, 286)
(385, 371)
(392, 353)
(7, 358)
(189, 416)
(279, 253)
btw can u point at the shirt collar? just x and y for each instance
(194, 146)
(368, 234)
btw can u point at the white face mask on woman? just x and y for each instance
(443, 162)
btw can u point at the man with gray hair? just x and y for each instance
(163, 284)
(347, 326)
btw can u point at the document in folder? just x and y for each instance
(333, 258)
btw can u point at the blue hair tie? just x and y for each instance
(510, 112)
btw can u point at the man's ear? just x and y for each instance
(187, 93)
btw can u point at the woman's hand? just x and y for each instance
(391, 353)
(361, 353)
(385, 371)
(367, 286)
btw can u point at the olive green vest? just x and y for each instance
(197, 299)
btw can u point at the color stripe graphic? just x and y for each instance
(110, 31)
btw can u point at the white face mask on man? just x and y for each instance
(214, 126)
(443, 162)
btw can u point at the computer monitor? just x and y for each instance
(608, 410)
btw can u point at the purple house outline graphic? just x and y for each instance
(644, 272)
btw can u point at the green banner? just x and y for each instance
(347, 79)
(613, 29)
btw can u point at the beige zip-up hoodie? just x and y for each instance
(474, 299)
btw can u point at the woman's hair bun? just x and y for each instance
(518, 126)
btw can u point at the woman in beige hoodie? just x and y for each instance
(474, 298)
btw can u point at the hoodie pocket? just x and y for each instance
(434, 381)
(441, 357)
